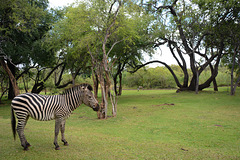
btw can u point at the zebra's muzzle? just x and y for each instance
(96, 107)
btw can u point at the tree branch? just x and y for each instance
(114, 45)
(179, 25)
(167, 66)
(200, 40)
(60, 76)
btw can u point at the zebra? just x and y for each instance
(45, 108)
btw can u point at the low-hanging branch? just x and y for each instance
(137, 67)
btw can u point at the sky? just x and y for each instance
(60, 3)
(163, 54)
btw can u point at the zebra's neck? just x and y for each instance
(74, 99)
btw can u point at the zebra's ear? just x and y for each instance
(90, 87)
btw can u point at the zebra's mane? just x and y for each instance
(70, 90)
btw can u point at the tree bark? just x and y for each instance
(57, 82)
(115, 84)
(215, 86)
(11, 92)
(13, 81)
(234, 86)
(95, 83)
(120, 85)
(197, 81)
(183, 65)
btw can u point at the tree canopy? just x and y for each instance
(194, 28)
(102, 38)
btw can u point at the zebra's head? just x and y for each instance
(89, 98)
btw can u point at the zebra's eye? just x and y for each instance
(89, 97)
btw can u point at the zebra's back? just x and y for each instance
(37, 106)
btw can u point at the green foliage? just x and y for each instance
(160, 77)
(23, 25)
(21, 15)
(84, 27)
(203, 126)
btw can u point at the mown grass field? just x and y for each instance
(203, 126)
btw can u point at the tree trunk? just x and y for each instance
(25, 87)
(183, 65)
(37, 88)
(118, 89)
(73, 80)
(11, 92)
(234, 86)
(215, 86)
(120, 85)
(15, 90)
(104, 105)
(197, 81)
(115, 84)
(95, 83)
(214, 80)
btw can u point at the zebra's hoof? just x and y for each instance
(28, 145)
(26, 149)
(57, 148)
(65, 142)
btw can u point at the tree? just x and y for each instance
(22, 26)
(3, 83)
(98, 27)
(236, 55)
(125, 53)
(189, 29)
(228, 29)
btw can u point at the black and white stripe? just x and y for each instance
(44, 108)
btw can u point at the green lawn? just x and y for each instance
(203, 126)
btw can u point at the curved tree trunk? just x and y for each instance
(12, 78)
(167, 66)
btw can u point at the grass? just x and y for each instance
(203, 126)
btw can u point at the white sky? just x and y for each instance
(60, 3)
(164, 55)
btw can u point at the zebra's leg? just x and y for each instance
(62, 132)
(28, 144)
(57, 127)
(20, 130)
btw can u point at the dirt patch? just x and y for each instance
(82, 117)
(165, 104)
(217, 125)
(184, 149)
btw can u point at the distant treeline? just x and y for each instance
(160, 77)
(148, 78)
(155, 78)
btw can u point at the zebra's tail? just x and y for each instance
(13, 122)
